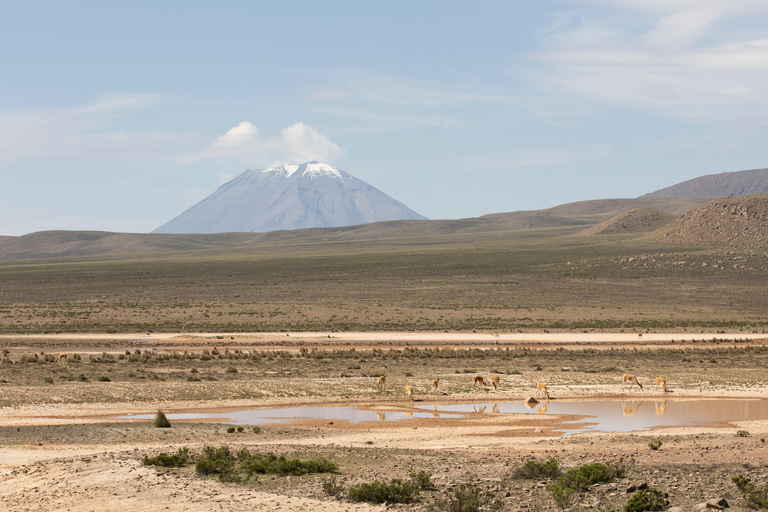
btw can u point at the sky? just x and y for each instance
(118, 116)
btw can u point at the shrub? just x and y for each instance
(742, 433)
(647, 500)
(231, 430)
(377, 492)
(582, 477)
(48, 380)
(534, 470)
(756, 497)
(231, 369)
(240, 429)
(161, 421)
(256, 430)
(168, 461)
(467, 497)
(332, 488)
(422, 481)
(654, 445)
(104, 378)
(82, 378)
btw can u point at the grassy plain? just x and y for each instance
(507, 280)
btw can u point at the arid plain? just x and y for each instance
(308, 322)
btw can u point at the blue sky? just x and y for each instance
(118, 116)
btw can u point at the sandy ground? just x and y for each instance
(64, 456)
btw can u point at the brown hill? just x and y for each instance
(741, 221)
(738, 184)
(637, 220)
(54, 244)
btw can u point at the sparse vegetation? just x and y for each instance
(755, 497)
(535, 470)
(178, 460)
(467, 497)
(161, 421)
(396, 491)
(648, 500)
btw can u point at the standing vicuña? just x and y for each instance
(381, 383)
(541, 388)
(495, 381)
(628, 377)
(478, 380)
(409, 392)
(434, 384)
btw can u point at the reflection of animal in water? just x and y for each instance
(381, 383)
(478, 380)
(62, 357)
(409, 392)
(495, 408)
(382, 415)
(639, 335)
(661, 381)
(629, 408)
(435, 412)
(434, 384)
(541, 389)
(661, 408)
(495, 381)
(541, 407)
(477, 409)
(628, 377)
(409, 414)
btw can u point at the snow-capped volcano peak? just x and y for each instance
(310, 195)
(316, 169)
(286, 169)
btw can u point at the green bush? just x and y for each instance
(231, 430)
(168, 461)
(582, 477)
(161, 421)
(396, 491)
(756, 497)
(535, 470)
(245, 466)
(104, 378)
(654, 445)
(467, 497)
(647, 500)
(256, 430)
(422, 481)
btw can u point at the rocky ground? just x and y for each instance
(62, 446)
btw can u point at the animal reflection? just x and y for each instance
(477, 409)
(381, 415)
(435, 412)
(661, 407)
(495, 408)
(541, 407)
(630, 407)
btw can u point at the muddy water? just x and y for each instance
(599, 415)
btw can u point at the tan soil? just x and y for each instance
(71, 453)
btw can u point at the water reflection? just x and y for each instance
(630, 407)
(602, 415)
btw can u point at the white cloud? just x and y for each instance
(663, 67)
(297, 143)
(73, 131)
(515, 159)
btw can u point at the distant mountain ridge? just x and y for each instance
(736, 184)
(310, 195)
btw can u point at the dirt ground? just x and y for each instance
(62, 446)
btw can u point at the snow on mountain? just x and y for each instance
(310, 195)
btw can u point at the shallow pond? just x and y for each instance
(599, 415)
